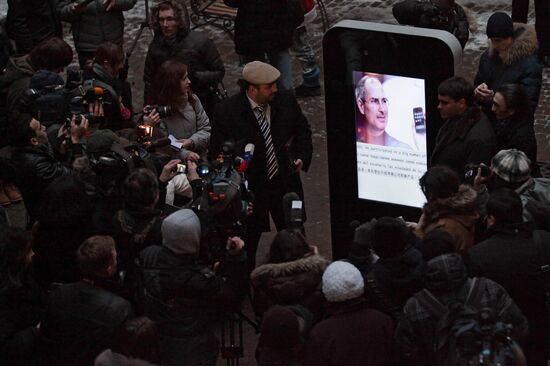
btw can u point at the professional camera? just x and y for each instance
(163, 110)
(48, 104)
(222, 201)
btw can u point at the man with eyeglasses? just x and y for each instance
(372, 119)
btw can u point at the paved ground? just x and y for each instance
(316, 181)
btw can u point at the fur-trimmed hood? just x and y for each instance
(180, 11)
(311, 264)
(461, 205)
(524, 45)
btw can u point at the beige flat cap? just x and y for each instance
(257, 72)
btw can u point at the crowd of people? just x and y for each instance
(143, 226)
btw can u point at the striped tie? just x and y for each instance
(272, 168)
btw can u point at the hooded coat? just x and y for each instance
(517, 65)
(290, 283)
(456, 214)
(206, 68)
(447, 279)
(95, 25)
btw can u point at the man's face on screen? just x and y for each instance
(374, 105)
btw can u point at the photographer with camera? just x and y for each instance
(113, 94)
(185, 297)
(52, 54)
(33, 159)
(183, 115)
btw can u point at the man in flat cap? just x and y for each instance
(273, 121)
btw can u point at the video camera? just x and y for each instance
(223, 199)
(54, 104)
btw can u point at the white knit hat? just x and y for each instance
(342, 281)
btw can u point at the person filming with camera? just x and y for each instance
(34, 162)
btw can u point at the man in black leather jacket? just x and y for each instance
(34, 162)
(175, 40)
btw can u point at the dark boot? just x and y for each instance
(310, 85)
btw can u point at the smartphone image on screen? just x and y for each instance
(419, 120)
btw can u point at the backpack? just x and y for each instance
(468, 335)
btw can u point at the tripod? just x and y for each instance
(142, 26)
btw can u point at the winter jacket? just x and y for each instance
(399, 277)
(353, 335)
(517, 65)
(426, 14)
(265, 25)
(289, 283)
(80, 322)
(94, 25)
(512, 256)
(186, 299)
(36, 168)
(193, 49)
(188, 122)
(31, 21)
(534, 189)
(456, 214)
(15, 80)
(447, 279)
(465, 139)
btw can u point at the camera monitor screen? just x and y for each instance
(390, 123)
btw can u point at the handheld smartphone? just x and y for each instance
(419, 120)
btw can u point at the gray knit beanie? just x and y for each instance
(342, 281)
(181, 232)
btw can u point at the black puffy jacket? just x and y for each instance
(31, 21)
(94, 25)
(265, 25)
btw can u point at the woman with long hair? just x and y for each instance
(186, 120)
(514, 127)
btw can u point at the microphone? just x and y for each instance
(247, 159)
(293, 210)
(159, 143)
